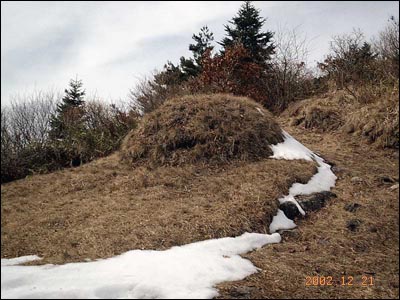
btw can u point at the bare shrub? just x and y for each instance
(291, 79)
(27, 146)
(150, 93)
(387, 46)
(351, 61)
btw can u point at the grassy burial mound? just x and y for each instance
(109, 206)
(203, 128)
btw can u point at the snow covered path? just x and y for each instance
(189, 271)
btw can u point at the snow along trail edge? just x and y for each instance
(189, 271)
(322, 181)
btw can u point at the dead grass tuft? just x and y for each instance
(378, 122)
(203, 128)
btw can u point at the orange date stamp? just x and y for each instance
(344, 280)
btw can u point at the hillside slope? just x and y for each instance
(355, 235)
(223, 186)
(110, 206)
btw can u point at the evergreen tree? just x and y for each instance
(246, 29)
(73, 96)
(73, 99)
(171, 75)
(192, 67)
(203, 43)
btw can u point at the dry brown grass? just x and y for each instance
(377, 122)
(322, 245)
(371, 113)
(203, 128)
(322, 114)
(106, 208)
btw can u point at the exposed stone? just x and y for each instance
(373, 229)
(290, 209)
(356, 179)
(308, 203)
(338, 170)
(242, 292)
(314, 201)
(292, 234)
(352, 207)
(394, 187)
(386, 179)
(353, 224)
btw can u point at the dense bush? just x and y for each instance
(354, 63)
(232, 72)
(28, 148)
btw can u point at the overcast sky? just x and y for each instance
(110, 45)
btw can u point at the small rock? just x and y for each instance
(323, 242)
(314, 201)
(290, 210)
(242, 292)
(386, 179)
(327, 160)
(352, 207)
(360, 247)
(356, 180)
(394, 187)
(396, 155)
(337, 170)
(67, 255)
(290, 234)
(353, 224)
(373, 229)
(74, 244)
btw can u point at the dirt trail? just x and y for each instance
(356, 234)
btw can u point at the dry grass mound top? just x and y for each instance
(203, 128)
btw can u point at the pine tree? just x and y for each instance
(68, 110)
(246, 29)
(203, 43)
(192, 67)
(73, 96)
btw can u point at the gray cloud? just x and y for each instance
(110, 44)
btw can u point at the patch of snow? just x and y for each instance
(19, 260)
(290, 198)
(291, 149)
(189, 271)
(280, 222)
(322, 181)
